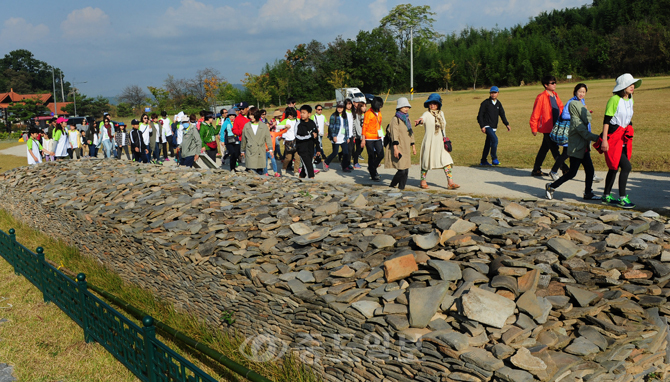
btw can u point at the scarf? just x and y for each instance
(438, 120)
(405, 118)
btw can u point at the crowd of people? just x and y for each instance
(246, 135)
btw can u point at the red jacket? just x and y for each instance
(239, 123)
(616, 140)
(541, 120)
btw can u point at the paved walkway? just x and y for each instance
(648, 190)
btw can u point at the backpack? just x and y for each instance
(559, 133)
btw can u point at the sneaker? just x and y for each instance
(357, 165)
(484, 163)
(346, 170)
(538, 173)
(167, 159)
(325, 167)
(591, 196)
(351, 167)
(360, 157)
(377, 178)
(597, 179)
(626, 203)
(277, 175)
(608, 199)
(496, 162)
(316, 171)
(554, 176)
(549, 192)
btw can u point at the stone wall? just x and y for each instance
(372, 284)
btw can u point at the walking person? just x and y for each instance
(74, 138)
(321, 124)
(372, 137)
(121, 138)
(154, 140)
(358, 133)
(107, 135)
(290, 149)
(241, 121)
(617, 139)
(208, 135)
(34, 147)
(276, 134)
(401, 141)
(93, 140)
(489, 111)
(146, 131)
(136, 142)
(578, 149)
(546, 111)
(231, 140)
(274, 122)
(164, 124)
(190, 145)
(255, 141)
(433, 153)
(61, 138)
(352, 122)
(338, 133)
(306, 134)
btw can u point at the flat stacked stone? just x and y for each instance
(374, 284)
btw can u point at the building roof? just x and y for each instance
(46, 99)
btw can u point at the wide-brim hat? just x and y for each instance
(624, 81)
(277, 113)
(402, 102)
(433, 98)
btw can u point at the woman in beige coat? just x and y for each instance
(401, 141)
(256, 141)
(433, 154)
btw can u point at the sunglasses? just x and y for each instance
(552, 83)
(319, 109)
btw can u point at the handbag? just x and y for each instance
(559, 133)
(231, 139)
(447, 142)
(289, 146)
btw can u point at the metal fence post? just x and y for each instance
(13, 253)
(41, 276)
(149, 335)
(82, 285)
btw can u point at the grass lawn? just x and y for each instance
(44, 344)
(519, 147)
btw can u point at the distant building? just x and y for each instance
(46, 99)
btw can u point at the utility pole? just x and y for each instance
(53, 79)
(74, 95)
(411, 65)
(62, 92)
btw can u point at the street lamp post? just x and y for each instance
(74, 94)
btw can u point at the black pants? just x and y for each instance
(211, 153)
(400, 179)
(165, 148)
(72, 152)
(118, 152)
(345, 154)
(357, 150)
(560, 160)
(375, 151)
(547, 145)
(574, 166)
(258, 171)
(625, 166)
(234, 151)
(306, 151)
(137, 156)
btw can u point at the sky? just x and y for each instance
(104, 46)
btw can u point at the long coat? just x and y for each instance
(399, 135)
(254, 145)
(433, 154)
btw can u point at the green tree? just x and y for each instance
(161, 97)
(376, 57)
(24, 110)
(405, 17)
(124, 110)
(133, 95)
(93, 107)
(19, 69)
(258, 86)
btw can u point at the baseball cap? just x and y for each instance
(494, 89)
(242, 105)
(134, 122)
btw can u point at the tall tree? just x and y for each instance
(24, 110)
(93, 107)
(133, 95)
(405, 17)
(19, 69)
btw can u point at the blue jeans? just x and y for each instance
(273, 162)
(188, 161)
(345, 154)
(92, 151)
(490, 144)
(107, 147)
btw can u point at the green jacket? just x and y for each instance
(207, 132)
(579, 136)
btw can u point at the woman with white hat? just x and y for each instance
(401, 140)
(433, 154)
(617, 139)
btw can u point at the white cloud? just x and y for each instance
(192, 14)
(84, 23)
(18, 30)
(317, 10)
(379, 9)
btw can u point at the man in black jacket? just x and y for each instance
(487, 118)
(137, 145)
(306, 134)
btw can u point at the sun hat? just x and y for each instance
(624, 81)
(494, 89)
(433, 98)
(402, 102)
(276, 114)
(61, 120)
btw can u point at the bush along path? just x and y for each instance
(370, 283)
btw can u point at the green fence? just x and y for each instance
(136, 347)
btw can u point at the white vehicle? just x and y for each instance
(354, 94)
